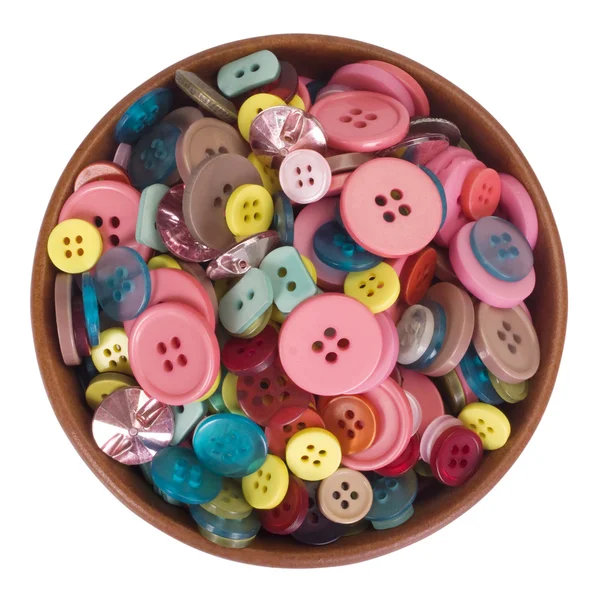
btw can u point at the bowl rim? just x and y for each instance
(271, 553)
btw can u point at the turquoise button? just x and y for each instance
(391, 495)
(90, 309)
(391, 523)
(147, 472)
(145, 228)
(248, 73)
(232, 529)
(142, 114)
(478, 378)
(283, 219)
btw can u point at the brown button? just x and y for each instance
(63, 286)
(452, 392)
(353, 421)
(345, 497)
(206, 195)
(343, 163)
(205, 138)
(183, 117)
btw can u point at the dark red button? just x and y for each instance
(456, 455)
(250, 356)
(286, 517)
(285, 424)
(406, 461)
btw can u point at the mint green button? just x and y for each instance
(248, 73)
(145, 228)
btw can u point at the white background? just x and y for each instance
(65, 64)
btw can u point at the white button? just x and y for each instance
(415, 331)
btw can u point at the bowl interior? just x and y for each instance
(313, 56)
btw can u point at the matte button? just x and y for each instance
(248, 73)
(345, 496)
(488, 422)
(63, 285)
(74, 246)
(266, 487)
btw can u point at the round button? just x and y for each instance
(345, 497)
(223, 541)
(112, 352)
(475, 379)
(406, 461)
(269, 177)
(510, 392)
(437, 339)
(480, 193)
(230, 502)
(517, 207)
(122, 156)
(377, 288)
(488, 422)
(285, 423)
(250, 356)
(345, 163)
(100, 171)
(452, 391)
(456, 455)
(249, 210)
(287, 516)
(79, 332)
(183, 117)
(426, 394)
(416, 275)
(252, 107)
(74, 246)
(174, 354)
(284, 87)
(283, 219)
(103, 385)
(391, 495)
(266, 487)
(415, 331)
(305, 176)
(427, 124)
(313, 454)
(440, 189)
(233, 530)
(506, 342)
(122, 283)
(433, 431)
(142, 114)
(330, 343)
(229, 394)
(361, 121)
(391, 207)
(230, 445)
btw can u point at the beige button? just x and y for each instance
(345, 497)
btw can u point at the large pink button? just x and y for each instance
(362, 121)
(391, 207)
(330, 344)
(173, 352)
(305, 176)
(112, 207)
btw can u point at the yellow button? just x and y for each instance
(489, 422)
(163, 261)
(277, 315)
(105, 384)
(111, 355)
(297, 102)
(376, 288)
(249, 210)
(267, 487)
(313, 454)
(230, 503)
(251, 107)
(74, 246)
(269, 177)
(310, 267)
(229, 393)
(213, 389)
(510, 392)
(257, 326)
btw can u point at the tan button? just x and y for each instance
(506, 342)
(63, 286)
(205, 138)
(345, 497)
(206, 195)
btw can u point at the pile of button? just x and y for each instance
(358, 319)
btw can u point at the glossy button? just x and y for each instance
(480, 193)
(437, 339)
(406, 461)
(416, 275)
(283, 219)
(90, 309)
(249, 210)
(285, 423)
(415, 331)
(426, 394)
(305, 176)
(230, 445)
(289, 514)
(252, 107)
(112, 354)
(452, 392)
(143, 113)
(476, 380)
(510, 392)
(247, 73)
(329, 344)
(174, 354)
(266, 487)
(392, 495)
(230, 533)
(146, 231)
(284, 87)
(488, 422)
(456, 455)
(250, 356)
(377, 288)
(345, 496)
(230, 503)
(74, 246)
(100, 171)
(313, 454)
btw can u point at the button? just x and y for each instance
(248, 73)
(100, 171)
(480, 193)
(353, 420)
(206, 96)
(250, 356)
(174, 354)
(391, 495)
(266, 488)
(269, 177)
(488, 422)
(249, 210)
(418, 149)
(207, 193)
(289, 278)
(230, 445)
(284, 87)
(486, 287)
(153, 157)
(82, 343)
(415, 331)
(334, 247)
(104, 385)
(63, 285)
(229, 394)
(279, 130)
(253, 106)
(261, 396)
(112, 353)
(477, 378)
(313, 454)
(427, 124)
(329, 344)
(406, 461)
(142, 114)
(452, 392)
(510, 392)
(345, 497)
(501, 249)
(287, 516)
(437, 339)
(122, 155)
(456, 455)
(506, 342)
(257, 326)
(377, 288)
(391, 207)
(230, 529)
(297, 102)
(283, 219)
(444, 160)
(416, 275)
(90, 309)
(440, 189)
(215, 386)
(177, 472)
(396, 521)
(146, 231)
(223, 541)
(303, 93)
(330, 90)
(187, 418)
(345, 163)
(427, 396)
(122, 283)
(205, 138)
(113, 208)
(230, 503)
(483, 372)
(74, 246)
(517, 207)
(183, 117)
(285, 423)
(433, 431)
(305, 176)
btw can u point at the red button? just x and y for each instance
(289, 515)
(285, 424)
(250, 356)
(406, 461)
(417, 274)
(480, 193)
(456, 455)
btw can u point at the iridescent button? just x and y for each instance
(283, 219)
(90, 308)
(142, 114)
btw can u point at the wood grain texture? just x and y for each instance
(316, 56)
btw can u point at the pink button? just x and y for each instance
(433, 432)
(173, 352)
(337, 184)
(302, 91)
(362, 121)
(391, 207)
(495, 292)
(173, 285)
(305, 176)
(517, 207)
(330, 344)
(444, 159)
(112, 207)
(469, 393)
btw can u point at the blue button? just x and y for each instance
(232, 529)
(147, 473)
(142, 114)
(153, 157)
(338, 250)
(391, 495)
(283, 219)
(90, 309)
(122, 283)
(501, 249)
(391, 523)
(477, 377)
(145, 229)
(230, 445)
(439, 334)
(440, 189)
(177, 472)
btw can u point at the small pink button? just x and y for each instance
(330, 344)
(362, 121)
(305, 176)
(391, 207)
(173, 352)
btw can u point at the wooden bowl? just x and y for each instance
(315, 56)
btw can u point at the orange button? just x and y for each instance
(480, 193)
(417, 274)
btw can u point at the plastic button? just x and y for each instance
(480, 193)
(146, 231)
(313, 454)
(426, 394)
(377, 288)
(112, 354)
(266, 487)
(186, 419)
(392, 495)
(488, 422)
(289, 514)
(283, 219)
(251, 356)
(249, 210)
(101, 171)
(416, 275)
(406, 461)
(74, 246)
(345, 496)
(142, 114)
(456, 455)
(248, 73)
(252, 107)
(285, 423)
(305, 176)
(230, 503)
(517, 207)
(90, 308)
(415, 331)
(269, 177)
(510, 392)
